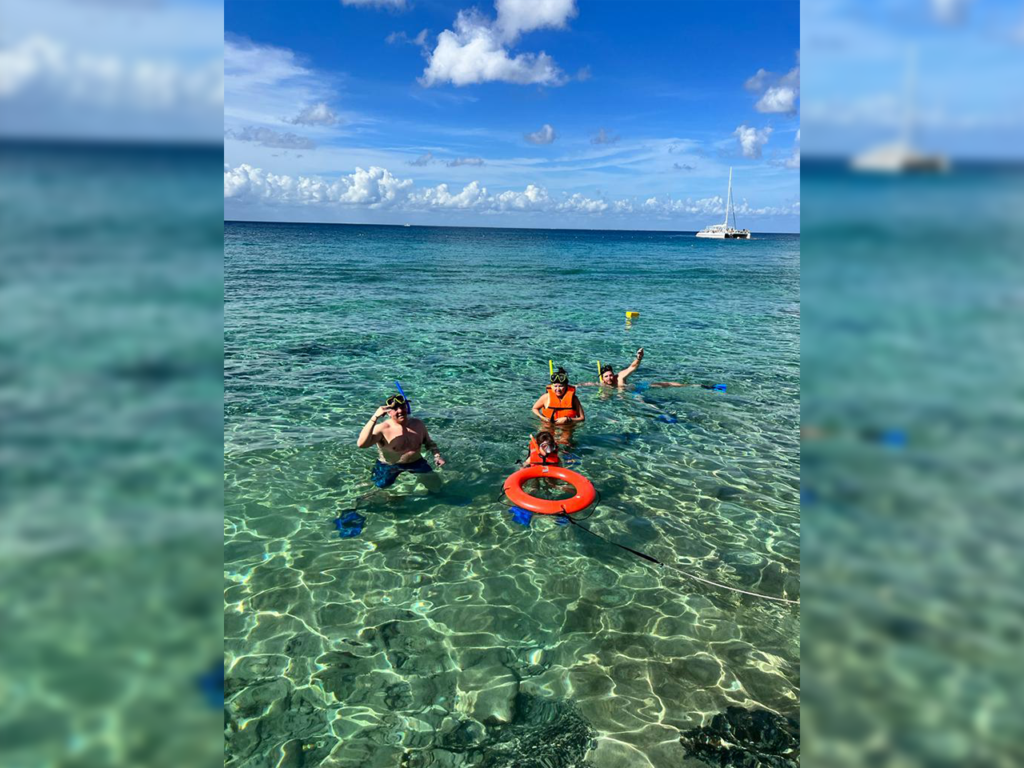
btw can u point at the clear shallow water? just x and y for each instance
(445, 634)
(110, 454)
(912, 369)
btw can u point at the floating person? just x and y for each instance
(611, 379)
(618, 380)
(400, 442)
(543, 451)
(559, 405)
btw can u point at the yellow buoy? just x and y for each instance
(632, 315)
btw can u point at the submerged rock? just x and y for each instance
(542, 733)
(740, 738)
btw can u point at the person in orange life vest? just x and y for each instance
(543, 450)
(559, 405)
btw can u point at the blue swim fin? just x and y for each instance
(350, 525)
(521, 516)
(211, 684)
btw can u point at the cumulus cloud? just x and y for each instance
(374, 188)
(603, 137)
(518, 16)
(778, 93)
(49, 69)
(752, 140)
(709, 206)
(423, 159)
(315, 114)
(465, 161)
(778, 99)
(268, 137)
(378, 188)
(477, 50)
(544, 135)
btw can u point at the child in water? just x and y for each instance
(543, 450)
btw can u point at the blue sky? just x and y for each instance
(969, 92)
(537, 113)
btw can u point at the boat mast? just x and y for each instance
(728, 200)
(910, 86)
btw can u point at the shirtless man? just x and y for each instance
(618, 380)
(399, 442)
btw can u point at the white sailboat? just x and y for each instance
(724, 231)
(900, 156)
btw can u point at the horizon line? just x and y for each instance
(472, 226)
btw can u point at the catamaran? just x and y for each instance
(724, 231)
(901, 156)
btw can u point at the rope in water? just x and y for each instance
(684, 573)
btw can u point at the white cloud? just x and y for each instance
(778, 93)
(778, 99)
(264, 82)
(374, 188)
(397, 5)
(950, 12)
(423, 159)
(603, 137)
(793, 161)
(752, 140)
(465, 161)
(268, 137)
(545, 135)
(471, 196)
(43, 67)
(401, 37)
(378, 188)
(316, 114)
(477, 50)
(518, 16)
(759, 81)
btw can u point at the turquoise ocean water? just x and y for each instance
(445, 633)
(912, 400)
(111, 423)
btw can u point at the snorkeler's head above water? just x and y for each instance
(559, 381)
(397, 408)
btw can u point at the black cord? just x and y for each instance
(681, 571)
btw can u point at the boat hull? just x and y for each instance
(725, 235)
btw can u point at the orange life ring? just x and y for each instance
(585, 493)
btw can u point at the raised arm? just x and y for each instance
(626, 372)
(369, 436)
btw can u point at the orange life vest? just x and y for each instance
(536, 458)
(559, 407)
